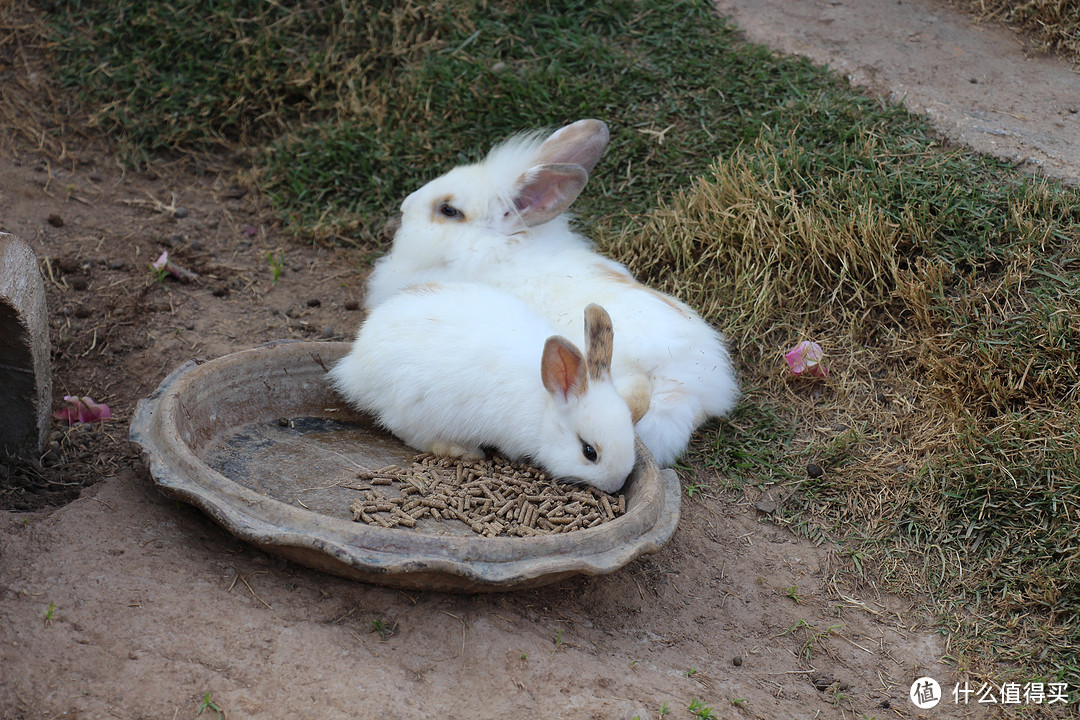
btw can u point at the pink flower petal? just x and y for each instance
(83, 410)
(161, 262)
(806, 357)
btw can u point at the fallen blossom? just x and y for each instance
(164, 265)
(162, 262)
(806, 357)
(83, 410)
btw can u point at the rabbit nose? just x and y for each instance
(407, 202)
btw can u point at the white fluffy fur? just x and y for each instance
(459, 364)
(662, 344)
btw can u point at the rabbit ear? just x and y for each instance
(599, 340)
(580, 143)
(562, 369)
(545, 191)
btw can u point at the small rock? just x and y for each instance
(314, 302)
(67, 265)
(352, 305)
(822, 682)
(221, 291)
(736, 661)
(55, 220)
(814, 470)
(116, 264)
(180, 212)
(766, 505)
(328, 332)
(78, 282)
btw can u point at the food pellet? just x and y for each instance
(491, 497)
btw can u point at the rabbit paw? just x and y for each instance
(455, 450)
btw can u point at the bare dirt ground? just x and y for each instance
(116, 602)
(975, 83)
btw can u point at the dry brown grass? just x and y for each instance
(948, 428)
(31, 111)
(1054, 25)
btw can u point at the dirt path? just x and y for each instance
(973, 82)
(124, 604)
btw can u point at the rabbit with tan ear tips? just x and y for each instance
(502, 222)
(454, 368)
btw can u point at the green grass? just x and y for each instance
(781, 204)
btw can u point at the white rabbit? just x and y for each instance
(500, 222)
(454, 368)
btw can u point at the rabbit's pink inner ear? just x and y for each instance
(580, 143)
(546, 191)
(562, 368)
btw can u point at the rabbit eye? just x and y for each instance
(588, 451)
(450, 212)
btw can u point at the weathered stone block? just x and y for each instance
(25, 366)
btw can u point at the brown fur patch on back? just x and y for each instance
(422, 288)
(629, 281)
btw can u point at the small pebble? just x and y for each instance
(814, 470)
(352, 305)
(116, 264)
(736, 661)
(314, 302)
(180, 212)
(328, 332)
(221, 291)
(55, 220)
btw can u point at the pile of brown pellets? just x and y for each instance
(493, 497)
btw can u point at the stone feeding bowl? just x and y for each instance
(260, 442)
